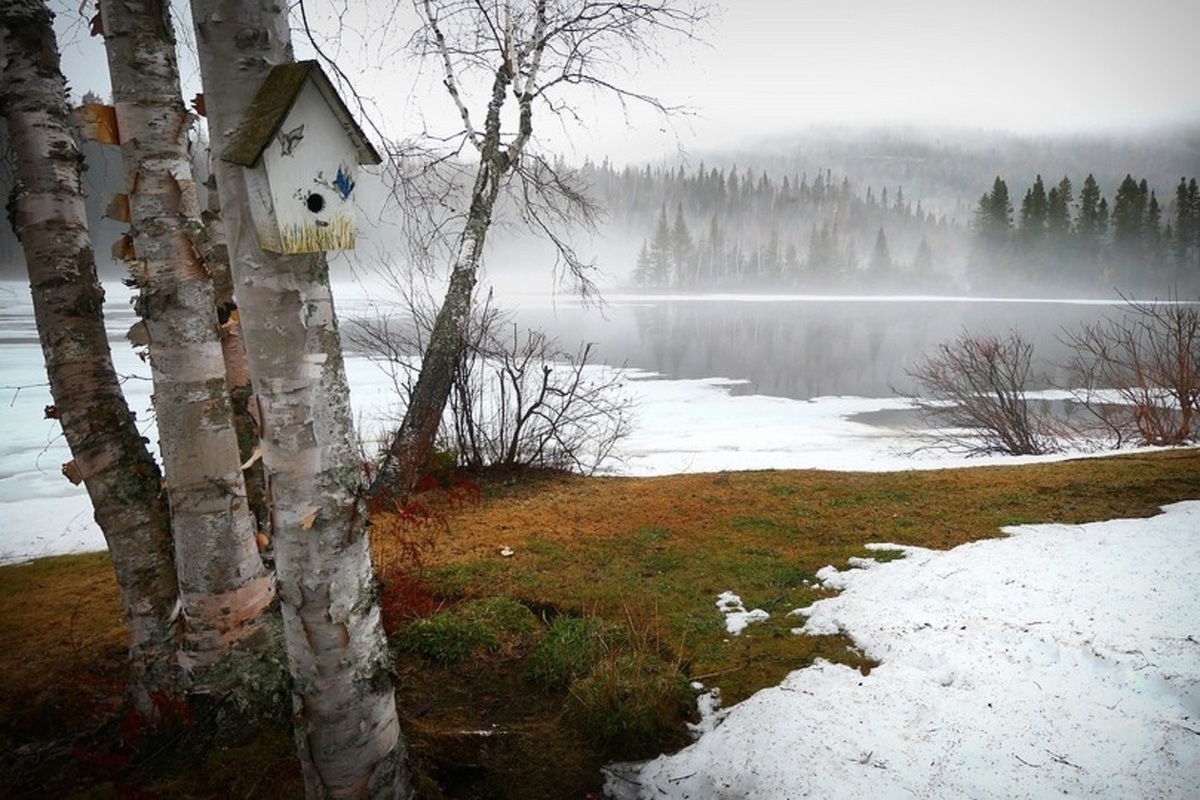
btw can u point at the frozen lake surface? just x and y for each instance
(721, 383)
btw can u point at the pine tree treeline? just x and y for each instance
(1060, 238)
(732, 229)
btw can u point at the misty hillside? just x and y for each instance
(948, 169)
(847, 209)
(863, 210)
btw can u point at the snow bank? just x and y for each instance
(1061, 661)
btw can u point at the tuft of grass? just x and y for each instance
(652, 535)
(570, 649)
(493, 626)
(632, 701)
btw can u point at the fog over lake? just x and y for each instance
(792, 346)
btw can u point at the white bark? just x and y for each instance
(347, 729)
(224, 587)
(414, 441)
(110, 457)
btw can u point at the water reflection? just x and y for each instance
(803, 347)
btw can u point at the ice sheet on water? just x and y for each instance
(680, 425)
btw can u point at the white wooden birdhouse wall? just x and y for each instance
(302, 150)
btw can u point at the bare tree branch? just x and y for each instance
(973, 397)
(575, 40)
(1139, 375)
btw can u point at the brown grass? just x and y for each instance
(651, 554)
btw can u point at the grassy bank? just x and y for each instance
(615, 582)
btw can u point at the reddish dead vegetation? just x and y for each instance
(581, 543)
(409, 528)
(138, 736)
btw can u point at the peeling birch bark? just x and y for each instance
(347, 731)
(110, 455)
(223, 585)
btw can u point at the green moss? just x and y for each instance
(570, 650)
(252, 685)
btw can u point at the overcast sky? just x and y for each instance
(770, 66)
(1018, 64)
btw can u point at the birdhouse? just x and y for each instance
(301, 149)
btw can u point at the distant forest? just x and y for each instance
(742, 229)
(862, 211)
(1134, 242)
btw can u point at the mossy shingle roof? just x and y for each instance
(271, 105)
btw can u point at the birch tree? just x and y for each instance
(224, 588)
(108, 451)
(521, 55)
(346, 727)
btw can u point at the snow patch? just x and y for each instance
(737, 618)
(1063, 660)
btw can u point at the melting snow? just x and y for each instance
(1060, 661)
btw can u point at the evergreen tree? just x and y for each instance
(880, 264)
(1058, 209)
(682, 250)
(993, 219)
(716, 250)
(993, 226)
(1034, 213)
(659, 252)
(1091, 223)
(1129, 219)
(1185, 241)
(642, 274)
(1153, 226)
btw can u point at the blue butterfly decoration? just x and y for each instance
(343, 184)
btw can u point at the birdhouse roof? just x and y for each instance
(270, 108)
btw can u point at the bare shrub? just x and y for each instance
(524, 401)
(518, 398)
(1138, 376)
(973, 397)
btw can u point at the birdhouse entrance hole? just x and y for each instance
(315, 203)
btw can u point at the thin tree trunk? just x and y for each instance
(110, 455)
(413, 442)
(347, 730)
(213, 250)
(224, 588)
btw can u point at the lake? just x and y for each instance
(720, 383)
(793, 346)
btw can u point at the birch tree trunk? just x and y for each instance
(410, 448)
(347, 730)
(223, 585)
(412, 444)
(110, 455)
(237, 371)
